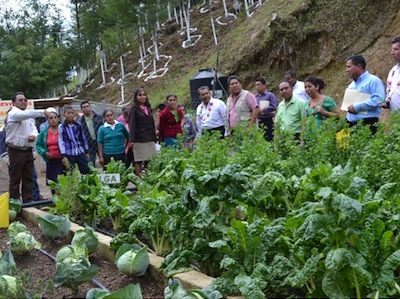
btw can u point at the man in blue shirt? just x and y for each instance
(268, 103)
(368, 111)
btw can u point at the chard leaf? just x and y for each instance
(349, 207)
(302, 275)
(248, 287)
(218, 244)
(227, 262)
(337, 259)
(312, 226)
(325, 192)
(204, 217)
(386, 273)
(334, 285)
(387, 243)
(386, 191)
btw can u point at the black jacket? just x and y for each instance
(141, 125)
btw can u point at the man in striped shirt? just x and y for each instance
(72, 142)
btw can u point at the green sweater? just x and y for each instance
(113, 141)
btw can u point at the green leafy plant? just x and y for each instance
(132, 259)
(54, 226)
(131, 291)
(86, 237)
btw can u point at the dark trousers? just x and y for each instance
(221, 129)
(370, 121)
(117, 157)
(79, 160)
(93, 148)
(129, 158)
(268, 126)
(21, 169)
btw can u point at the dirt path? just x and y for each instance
(44, 190)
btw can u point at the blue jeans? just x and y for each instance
(36, 190)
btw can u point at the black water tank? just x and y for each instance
(205, 77)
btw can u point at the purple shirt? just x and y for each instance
(267, 102)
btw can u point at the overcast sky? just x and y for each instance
(16, 4)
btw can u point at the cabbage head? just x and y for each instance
(15, 208)
(132, 259)
(10, 287)
(15, 228)
(23, 242)
(71, 252)
(54, 226)
(86, 237)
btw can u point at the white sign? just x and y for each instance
(109, 178)
(7, 105)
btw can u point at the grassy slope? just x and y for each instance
(311, 36)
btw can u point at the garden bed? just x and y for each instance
(41, 267)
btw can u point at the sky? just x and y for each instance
(16, 4)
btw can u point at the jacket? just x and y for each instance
(169, 127)
(141, 125)
(97, 122)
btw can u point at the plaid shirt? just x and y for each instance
(72, 140)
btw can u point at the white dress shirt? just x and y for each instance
(211, 115)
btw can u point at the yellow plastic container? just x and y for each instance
(343, 138)
(4, 216)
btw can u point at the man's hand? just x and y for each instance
(32, 138)
(351, 109)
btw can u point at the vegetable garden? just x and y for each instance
(278, 219)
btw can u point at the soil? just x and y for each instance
(42, 267)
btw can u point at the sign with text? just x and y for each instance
(109, 178)
(7, 105)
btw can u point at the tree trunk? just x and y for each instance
(122, 79)
(212, 24)
(176, 16)
(246, 5)
(185, 9)
(169, 11)
(225, 9)
(102, 68)
(155, 46)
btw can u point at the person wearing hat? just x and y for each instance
(48, 148)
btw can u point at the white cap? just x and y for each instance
(50, 110)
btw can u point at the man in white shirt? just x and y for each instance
(299, 90)
(20, 139)
(393, 79)
(210, 114)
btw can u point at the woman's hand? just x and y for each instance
(101, 161)
(65, 161)
(48, 156)
(319, 109)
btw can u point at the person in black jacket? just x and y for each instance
(91, 122)
(142, 135)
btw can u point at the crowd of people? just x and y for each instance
(136, 134)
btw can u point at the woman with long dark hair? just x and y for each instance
(142, 132)
(171, 121)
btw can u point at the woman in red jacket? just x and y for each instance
(171, 121)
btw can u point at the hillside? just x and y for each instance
(314, 37)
